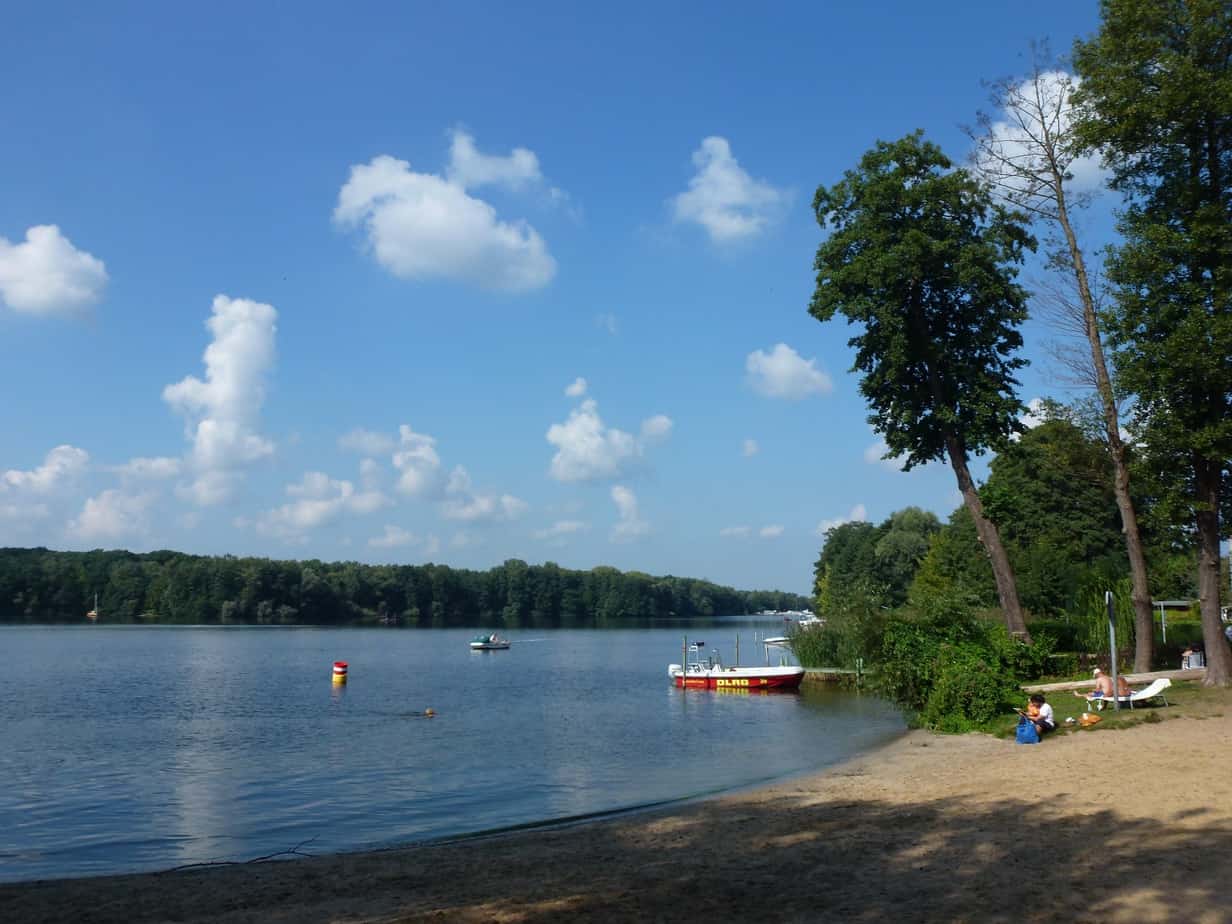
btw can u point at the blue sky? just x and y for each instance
(457, 282)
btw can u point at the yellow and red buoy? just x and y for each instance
(340, 672)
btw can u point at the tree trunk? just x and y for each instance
(1207, 476)
(990, 538)
(1144, 618)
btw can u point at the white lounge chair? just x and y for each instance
(1156, 689)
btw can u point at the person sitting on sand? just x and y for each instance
(1103, 687)
(1040, 713)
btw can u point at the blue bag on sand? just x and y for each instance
(1027, 733)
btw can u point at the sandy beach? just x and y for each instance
(1107, 825)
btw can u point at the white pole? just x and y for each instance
(1116, 692)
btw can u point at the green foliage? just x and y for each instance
(955, 570)
(953, 670)
(1051, 495)
(37, 585)
(923, 259)
(1156, 102)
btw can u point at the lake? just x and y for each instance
(144, 748)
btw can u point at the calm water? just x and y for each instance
(136, 748)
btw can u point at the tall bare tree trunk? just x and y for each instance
(990, 538)
(1207, 477)
(1144, 618)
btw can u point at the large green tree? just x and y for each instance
(1029, 151)
(921, 257)
(1156, 101)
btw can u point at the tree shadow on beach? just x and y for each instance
(797, 859)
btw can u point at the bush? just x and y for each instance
(969, 688)
(953, 670)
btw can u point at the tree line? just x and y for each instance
(44, 586)
(923, 258)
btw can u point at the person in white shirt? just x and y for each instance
(1039, 712)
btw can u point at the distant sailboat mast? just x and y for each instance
(93, 614)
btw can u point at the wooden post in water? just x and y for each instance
(737, 649)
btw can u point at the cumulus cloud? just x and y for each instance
(367, 442)
(469, 169)
(462, 503)
(424, 226)
(783, 373)
(222, 412)
(588, 450)
(417, 462)
(318, 500)
(728, 203)
(47, 275)
(560, 529)
(630, 526)
(750, 448)
(875, 454)
(393, 537)
(770, 532)
(25, 495)
(61, 466)
(857, 514)
(1034, 415)
(1014, 141)
(152, 468)
(734, 532)
(577, 388)
(112, 514)
(656, 428)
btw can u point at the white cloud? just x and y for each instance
(24, 495)
(61, 465)
(560, 528)
(393, 537)
(422, 226)
(875, 454)
(577, 388)
(630, 526)
(367, 442)
(418, 464)
(750, 448)
(112, 515)
(587, 450)
(734, 532)
(319, 500)
(462, 503)
(47, 275)
(724, 199)
(656, 428)
(783, 373)
(1016, 137)
(150, 468)
(468, 168)
(770, 532)
(222, 412)
(1034, 415)
(857, 514)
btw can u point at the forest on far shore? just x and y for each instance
(44, 586)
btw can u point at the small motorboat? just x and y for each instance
(489, 642)
(708, 673)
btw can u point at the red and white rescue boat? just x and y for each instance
(710, 674)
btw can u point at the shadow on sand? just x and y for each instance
(797, 859)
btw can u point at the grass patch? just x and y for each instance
(1187, 699)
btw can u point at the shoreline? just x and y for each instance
(1110, 825)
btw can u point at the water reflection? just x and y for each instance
(226, 743)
